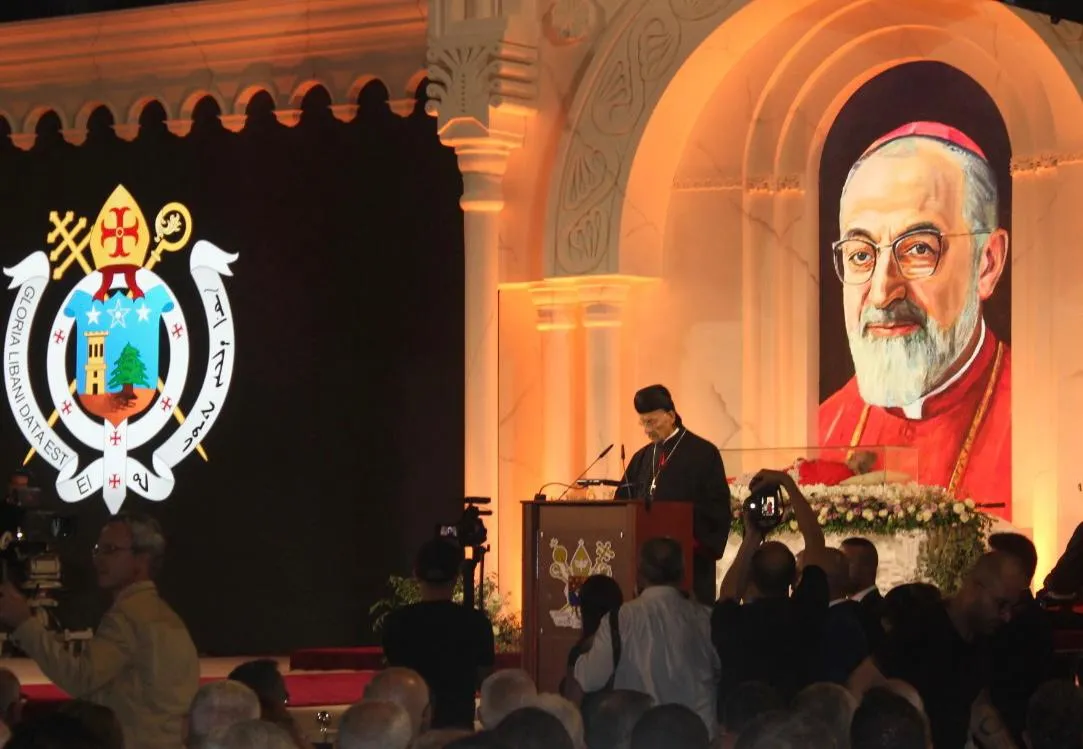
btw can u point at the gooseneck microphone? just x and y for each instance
(601, 455)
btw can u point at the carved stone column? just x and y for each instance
(482, 90)
(603, 311)
(556, 308)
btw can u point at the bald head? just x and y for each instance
(907, 691)
(774, 569)
(990, 590)
(501, 693)
(218, 706)
(251, 734)
(374, 725)
(405, 688)
(864, 561)
(564, 711)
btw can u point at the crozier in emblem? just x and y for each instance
(112, 324)
(573, 572)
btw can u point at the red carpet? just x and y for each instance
(369, 658)
(306, 690)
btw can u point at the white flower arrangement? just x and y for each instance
(877, 508)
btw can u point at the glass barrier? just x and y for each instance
(830, 466)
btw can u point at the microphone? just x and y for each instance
(598, 482)
(623, 467)
(601, 455)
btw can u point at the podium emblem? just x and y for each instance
(573, 571)
(116, 353)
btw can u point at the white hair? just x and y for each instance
(374, 725)
(216, 707)
(503, 692)
(147, 536)
(895, 372)
(404, 687)
(565, 711)
(251, 734)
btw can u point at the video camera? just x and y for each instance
(470, 533)
(765, 506)
(470, 530)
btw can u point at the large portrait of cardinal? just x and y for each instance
(918, 255)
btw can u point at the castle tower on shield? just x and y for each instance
(95, 362)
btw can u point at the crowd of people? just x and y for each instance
(797, 651)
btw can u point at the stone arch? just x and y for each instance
(301, 90)
(189, 102)
(244, 98)
(641, 96)
(135, 111)
(357, 87)
(33, 117)
(82, 117)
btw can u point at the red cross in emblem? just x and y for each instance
(166, 404)
(58, 336)
(66, 408)
(115, 438)
(114, 481)
(119, 232)
(177, 330)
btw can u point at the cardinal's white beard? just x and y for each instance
(894, 372)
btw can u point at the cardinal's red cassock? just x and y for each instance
(962, 430)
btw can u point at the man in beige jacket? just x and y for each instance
(141, 662)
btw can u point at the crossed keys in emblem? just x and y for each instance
(173, 220)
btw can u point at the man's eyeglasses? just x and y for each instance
(105, 550)
(917, 255)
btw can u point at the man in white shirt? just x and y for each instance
(666, 648)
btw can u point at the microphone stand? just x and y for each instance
(601, 455)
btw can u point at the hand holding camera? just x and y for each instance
(765, 506)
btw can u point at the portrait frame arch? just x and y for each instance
(618, 165)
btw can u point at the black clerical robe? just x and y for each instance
(686, 467)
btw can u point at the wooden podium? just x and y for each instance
(566, 542)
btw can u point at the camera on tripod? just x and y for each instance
(470, 533)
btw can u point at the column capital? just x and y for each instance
(603, 304)
(555, 307)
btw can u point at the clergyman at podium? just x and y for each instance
(678, 465)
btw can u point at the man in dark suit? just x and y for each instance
(863, 559)
(843, 645)
(678, 465)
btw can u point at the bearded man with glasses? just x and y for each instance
(141, 662)
(920, 251)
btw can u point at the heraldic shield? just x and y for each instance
(115, 319)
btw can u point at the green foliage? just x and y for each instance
(507, 625)
(945, 555)
(129, 369)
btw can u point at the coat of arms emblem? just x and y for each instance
(112, 326)
(573, 571)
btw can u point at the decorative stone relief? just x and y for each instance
(1040, 162)
(572, 21)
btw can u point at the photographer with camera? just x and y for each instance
(761, 630)
(141, 662)
(451, 646)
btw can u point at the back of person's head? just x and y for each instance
(837, 569)
(262, 677)
(217, 706)
(374, 725)
(598, 595)
(830, 704)
(1019, 546)
(533, 728)
(504, 691)
(907, 691)
(661, 562)
(864, 561)
(407, 689)
(100, 722)
(887, 720)
(774, 569)
(786, 730)
(438, 562)
(54, 731)
(608, 720)
(439, 738)
(11, 698)
(251, 734)
(906, 603)
(670, 727)
(748, 701)
(1055, 717)
(564, 711)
